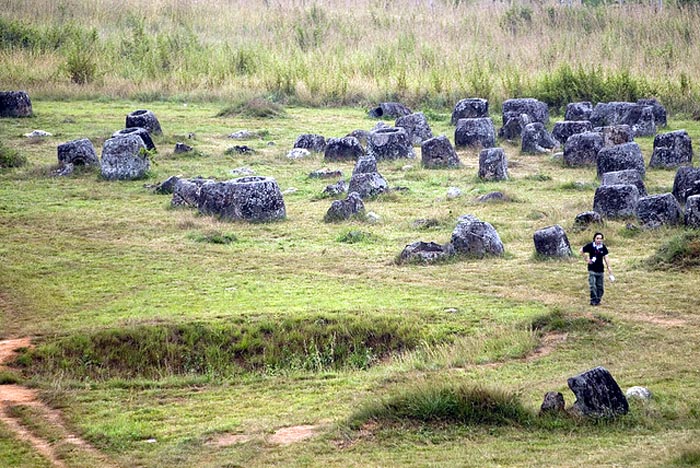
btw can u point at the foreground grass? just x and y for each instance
(85, 260)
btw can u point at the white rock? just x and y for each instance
(243, 135)
(373, 217)
(242, 171)
(407, 167)
(298, 153)
(37, 134)
(641, 393)
(290, 190)
(453, 192)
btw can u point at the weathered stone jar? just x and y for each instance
(390, 143)
(253, 198)
(145, 119)
(15, 104)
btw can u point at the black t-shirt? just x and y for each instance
(598, 254)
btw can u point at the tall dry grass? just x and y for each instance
(428, 52)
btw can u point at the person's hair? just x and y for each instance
(598, 234)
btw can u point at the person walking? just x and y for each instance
(596, 255)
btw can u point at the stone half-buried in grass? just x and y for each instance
(253, 198)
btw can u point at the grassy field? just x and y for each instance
(86, 261)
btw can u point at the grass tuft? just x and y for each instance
(354, 236)
(214, 237)
(688, 457)
(10, 157)
(254, 108)
(680, 252)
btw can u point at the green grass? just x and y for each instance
(154, 323)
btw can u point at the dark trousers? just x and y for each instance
(596, 285)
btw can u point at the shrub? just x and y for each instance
(10, 157)
(214, 237)
(679, 252)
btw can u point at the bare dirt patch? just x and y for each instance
(290, 435)
(226, 440)
(14, 395)
(547, 345)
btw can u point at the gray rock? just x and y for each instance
(471, 108)
(167, 186)
(659, 210)
(581, 149)
(343, 149)
(181, 148)
(389, 144)
(493, 164)
(64, 170)
(658, 110)
(124, 158)
(416, 126)
(439, 152)
(616, 201)
(536, 139)
(563, 130)
(186, 191)
(672, 149)
(587, 218)
(389, 110)
(145, 119)
(619, 158)
(453, 192)
(336, 189)
(552, 242)
(368, 185)
(243, 135)
(639, 393)
(686, 183)
(615, 134)
(365, 165)
(298, 153)
(538, 111)
(627, 176)
(311, 142)
(139, 132)
(513, 127)
(341, 210)
(553, 402)
(326, 174)
(476, 238)
(15, 104)
(475, 132)
(578, 111)
(597, 394)
(361, 135)
(692, 211)
(426, 252)
(637, 116)
(242, 171)
(492, 197)
(78, 153)
(252, 198)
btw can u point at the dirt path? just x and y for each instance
(17, 395)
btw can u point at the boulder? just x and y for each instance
(389, 144)
(563, 130)
(145, 119)
(616, 201)
(658, 110)
(492, 197)
(167, 186)
(15, 104)
(438, 152)
(637, 116)
(619, 158)
(365, 165)
(361, 135)
(513, 127)
(426, 252)
(181, 148)
(686, 183)
(343, 149)
(475, 132)
(627, 176)
(578, 111)
(587, 218)
(552, 242)
(252, 198)
(692, 212)
(78, 153)
(140, 132)
(341, 210)
(124, 158)
(536, 139)
(470, 108)
(186, 191)
(538, 111)
(581, 149)
(615, 134)
(298, 153)
(325, 174)
(493, 164)
(368, 184)
(389, 110)
(553, 402)
(659, 210)
(416, 127)
(311, 142)
(597, 394)
(476, 238)
(672, 149)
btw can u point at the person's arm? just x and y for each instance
(607, 264)
(585, 254)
